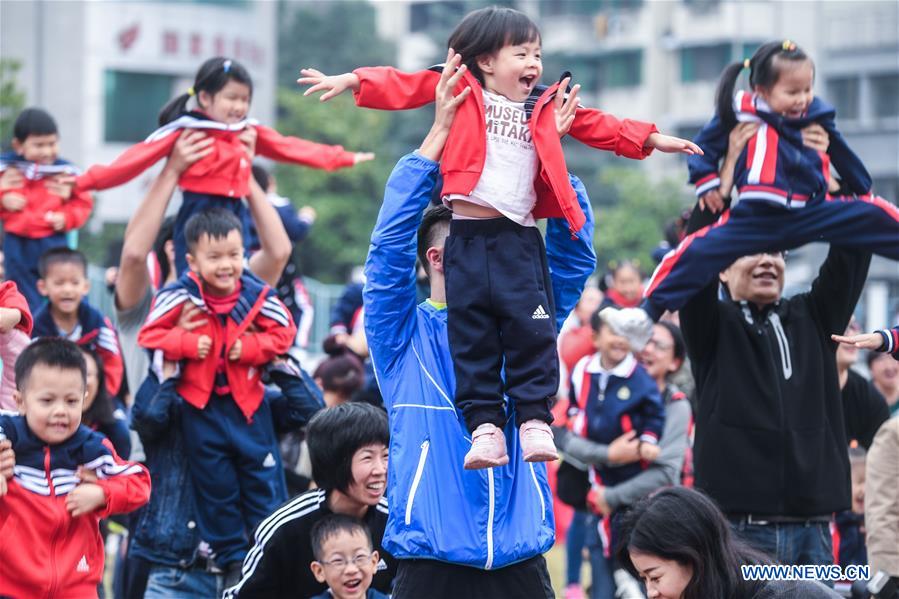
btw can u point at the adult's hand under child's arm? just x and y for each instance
(274, 252)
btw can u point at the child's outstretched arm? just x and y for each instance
(884, 340)
(283, 148)
(384, 88)
(131, 163)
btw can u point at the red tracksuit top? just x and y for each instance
(258, 305)
(44, 551)
(29, 222)
(226, 170)
(387, 88)
(11, 298)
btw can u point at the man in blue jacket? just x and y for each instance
(455, 532)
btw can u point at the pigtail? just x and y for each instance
(724, 95)
(173, 109)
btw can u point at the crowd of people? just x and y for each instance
(487, 391)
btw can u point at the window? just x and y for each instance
(884, 93)
(553, 8)
(843, 93)
(703, 63)
(621, 69)
(133, 102)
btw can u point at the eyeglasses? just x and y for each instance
(659, 345)
(340, 564)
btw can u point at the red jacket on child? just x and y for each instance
(226, 170)
(30, 221)
(258, 306)
(387, 88)
(11, 298)
(45, 552)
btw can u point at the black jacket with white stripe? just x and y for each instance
(770, 436)
(278, 563)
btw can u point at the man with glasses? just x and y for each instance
(770, 442)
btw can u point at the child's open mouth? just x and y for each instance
(352, 585)
(528, 81)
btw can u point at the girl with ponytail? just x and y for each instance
(788, 196)
(221, 92)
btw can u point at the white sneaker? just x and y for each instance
(634, 324)
(488, 448)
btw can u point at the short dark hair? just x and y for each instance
(685, 526)
(33, 121)
(215, 222)
(341, 372)
(487, 30)
(166, 233)
(433, 219)
(263, 179)
(61, 255)
(55, 352)
(335, 435)
(331, 526)
(596, 321)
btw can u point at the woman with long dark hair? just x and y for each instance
(679, 543)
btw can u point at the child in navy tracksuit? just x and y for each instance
(229, 438)
(787, 196)
(223, 89)
(66, 479)
(68, 314)
(503, 167)
(611, 394)
(37, 202)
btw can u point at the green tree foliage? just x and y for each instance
(333, 37)
(633, 214)
(347, 200)
(12, 99)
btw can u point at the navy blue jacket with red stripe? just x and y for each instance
(95, 332)
(774, 165)
(629, 401)
(890, 341)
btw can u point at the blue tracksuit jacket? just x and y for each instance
(482, 518)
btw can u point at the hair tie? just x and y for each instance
(789, 46)
(746, 63)
(190, 91)
(227, 65)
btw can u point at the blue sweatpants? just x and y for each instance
(236, 470)
(21, 256)
(751, 227)
(195, 203)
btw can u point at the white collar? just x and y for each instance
(623, 370)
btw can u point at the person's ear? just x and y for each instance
(486, 63)
(318, 570)
(20, 401)
(17, 146)
(191, 262)
(87, 284)
(204, 99)
(435, 259)
(42, 287)
(375, 558)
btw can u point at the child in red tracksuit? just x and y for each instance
(15, 335)
(37, 202)
(223, 89)
(502, 168)
(228, 434)
(66, 479)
